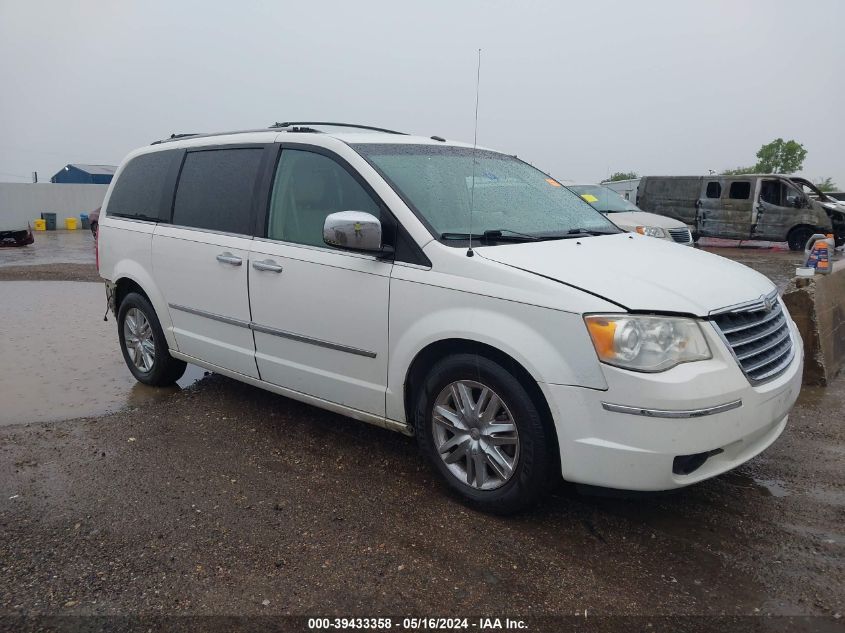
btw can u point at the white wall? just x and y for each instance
(24, 202)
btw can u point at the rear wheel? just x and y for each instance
(798, 237)
(483, 433)
(143, 344)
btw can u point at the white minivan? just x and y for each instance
(455, 294)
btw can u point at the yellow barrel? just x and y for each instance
(70, 224)
(40, 225)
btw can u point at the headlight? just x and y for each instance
(651, 231)
(646, 343)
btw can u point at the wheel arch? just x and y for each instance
(123, 287)
(800, 227)
(126, 281)
(426, 358)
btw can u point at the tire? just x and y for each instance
(798, 237)
(94, 227)
(149, 359)
(530, 457)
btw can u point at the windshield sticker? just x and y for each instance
(589, 197)
(553, 182)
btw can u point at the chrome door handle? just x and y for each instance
(268, 265)
(228, 258)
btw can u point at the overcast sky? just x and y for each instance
(579, 89)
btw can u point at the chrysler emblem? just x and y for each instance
(769, 303)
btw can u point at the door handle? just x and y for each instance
(269, 265)
(228, 258)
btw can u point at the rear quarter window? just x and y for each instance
(215, 190)
(141, 190)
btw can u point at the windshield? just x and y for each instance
(509, 195)
(604, 199)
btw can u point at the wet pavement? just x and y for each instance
(59, 359)
(226, 499)
(52, 247)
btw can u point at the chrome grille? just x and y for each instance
(683, 236)
(759, 337)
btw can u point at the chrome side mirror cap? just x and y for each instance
(353, 230)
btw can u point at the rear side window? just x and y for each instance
(714, 189)
(739, 190)
(215, 190)
(140, 189)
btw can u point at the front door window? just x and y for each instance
(309, 187)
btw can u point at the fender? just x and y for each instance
(553, 346)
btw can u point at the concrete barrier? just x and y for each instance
(817, 304)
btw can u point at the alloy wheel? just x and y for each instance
(138, 336)
(475, 435)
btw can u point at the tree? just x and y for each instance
(623, 175)
(777, 157)
(739, 170)
(826, 184)
(780, 157)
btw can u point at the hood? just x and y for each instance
(630, 220)
(638, 273)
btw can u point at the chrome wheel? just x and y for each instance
(475, 435)
(138, 336)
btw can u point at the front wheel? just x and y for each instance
(483, 433)
(143, 344)
(797, 238)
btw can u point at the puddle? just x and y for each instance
(52, 247)
(765, 487)
(59, 359)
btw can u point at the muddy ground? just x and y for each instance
(225, 499)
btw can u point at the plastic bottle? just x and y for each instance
(808, 247)
(831, 244)
(819, 251)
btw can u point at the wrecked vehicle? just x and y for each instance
(745, 207)
(15, 233)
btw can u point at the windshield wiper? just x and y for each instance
(493, 235)
(573, 233)
(582, 231)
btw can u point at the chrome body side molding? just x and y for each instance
(257, 327)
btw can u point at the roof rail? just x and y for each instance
(175, 137)
(329, 123)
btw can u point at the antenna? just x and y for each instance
(474, 146)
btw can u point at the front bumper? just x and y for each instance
(626, 446)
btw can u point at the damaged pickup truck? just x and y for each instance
(746, 207)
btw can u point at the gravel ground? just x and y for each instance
(225, 499)
(50, 272)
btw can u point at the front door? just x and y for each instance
(200, 261)
(319, 314)
(778, 209)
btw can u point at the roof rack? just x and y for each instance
(175, 137)
(329, 123)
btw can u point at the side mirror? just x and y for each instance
(354, 231)
(797, 202)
